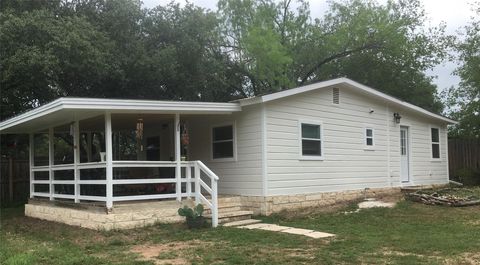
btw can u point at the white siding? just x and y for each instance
(424, 169)
(243, 176)
(347, 165)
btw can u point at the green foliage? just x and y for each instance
(277, 46)
(464, 101)
(467, 176)
(191, 213)
(117, 49)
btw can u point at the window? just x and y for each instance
(369, 137)
(336, 95)
(311, 140)
(223, 142)
(435, 143)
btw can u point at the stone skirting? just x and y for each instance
(125, 217)
(132, 215)
(273, 204)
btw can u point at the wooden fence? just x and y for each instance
(14, 181)
(463, 154)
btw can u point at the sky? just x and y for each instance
(454, 13)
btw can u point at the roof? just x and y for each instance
(69, 108)
(344, 82)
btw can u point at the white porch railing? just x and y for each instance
(195, 173)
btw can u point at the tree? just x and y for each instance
(276, 46)
(45, 56)
(464, 100)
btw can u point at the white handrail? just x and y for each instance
(213, 190)
(207, 170)
(210, 198)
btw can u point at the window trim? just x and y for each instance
(432, 143)
(234, 135)
(365, 137)
(300, 148)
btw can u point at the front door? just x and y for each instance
(404, 155)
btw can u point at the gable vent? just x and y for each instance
(336, 95)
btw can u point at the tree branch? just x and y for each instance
(345, 53)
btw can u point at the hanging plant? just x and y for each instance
(185, 137)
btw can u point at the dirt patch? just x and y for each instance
(464, 259)
(168, 253)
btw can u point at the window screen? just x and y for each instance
(222, 142)
(311, 140)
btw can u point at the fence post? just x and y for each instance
(76, 159)
(31, 163)
(109, 162)
(188, 171)
(214, 203)
(197, 183)
(51, 162)
(178, 169)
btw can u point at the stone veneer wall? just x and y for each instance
(273, 204)
(101, 220)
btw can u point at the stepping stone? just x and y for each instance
(242, 222)
(319, 235)
(297, 231)
(275, 228)
(254, 226)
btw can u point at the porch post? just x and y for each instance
(178, 171)
(50, 162)
(109, 154)
(76, 158)
(31, 156)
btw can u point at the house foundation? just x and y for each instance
(122, 216)
(140, 214)
(273, 204)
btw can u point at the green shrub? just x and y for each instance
(468, 176)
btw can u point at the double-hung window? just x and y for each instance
(369, 141)
(223, 142)
(311, 140)
(435, 136)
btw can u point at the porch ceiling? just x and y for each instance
(64, 110)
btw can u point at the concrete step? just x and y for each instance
(225, 217)
(242, 222)
(233, 199)
(225, 209)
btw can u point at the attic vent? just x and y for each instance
(336, 95)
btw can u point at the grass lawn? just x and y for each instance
(410, 233)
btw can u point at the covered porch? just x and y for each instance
(111, 152)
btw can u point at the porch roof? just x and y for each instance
(69, 109)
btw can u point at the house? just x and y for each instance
(307, 146)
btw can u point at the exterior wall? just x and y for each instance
(348, 164)
(424, 169)
(242, 176)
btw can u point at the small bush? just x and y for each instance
(468, 176)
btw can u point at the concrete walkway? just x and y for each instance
(288, 230)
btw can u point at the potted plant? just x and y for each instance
(194, 216)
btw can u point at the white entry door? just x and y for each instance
(404, 155)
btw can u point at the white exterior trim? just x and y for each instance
(369, 147)
(439, 158)
(264, 152)
(339, 81)
(300, 138)
(121, 105)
